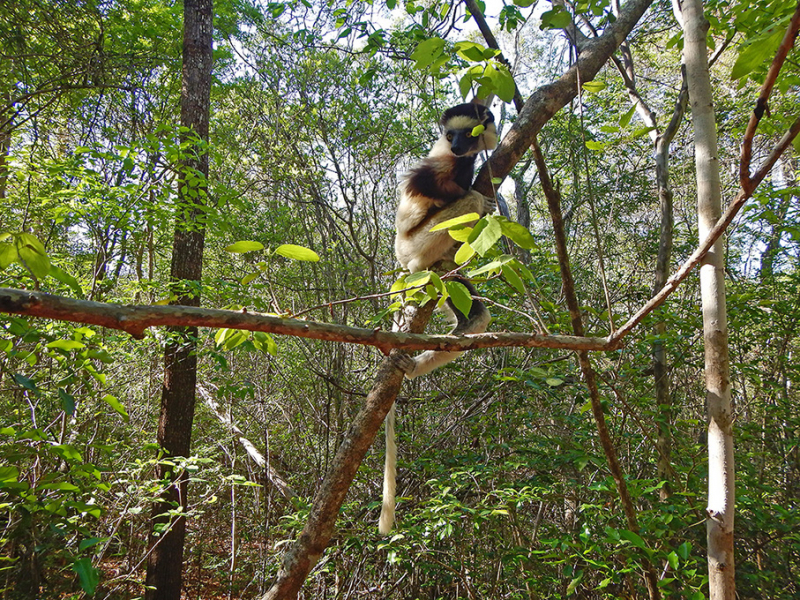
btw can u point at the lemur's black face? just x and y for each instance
(462, 142)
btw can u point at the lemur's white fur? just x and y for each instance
(389, 476)
(436, 190)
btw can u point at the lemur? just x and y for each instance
(434, 191)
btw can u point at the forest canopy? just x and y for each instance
(198, 296)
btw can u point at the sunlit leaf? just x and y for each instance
(243, 246)
(512, 278)
(66, 345)
(116, 405)
(464, 253)
(487, 235)
(427, 51)
(460, 220)
(593, 87)
(297, 252)
(264, 342)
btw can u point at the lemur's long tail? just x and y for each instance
(389, 476)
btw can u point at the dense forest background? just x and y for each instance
(317, 108)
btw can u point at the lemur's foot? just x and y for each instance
(403, 362)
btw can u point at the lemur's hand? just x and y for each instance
(403, 362)
(489, 205)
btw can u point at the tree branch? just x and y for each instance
(761, 104)
(306, 551)
(136, 319)
(549, 99)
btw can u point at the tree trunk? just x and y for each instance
(720, 511)
(164, 565)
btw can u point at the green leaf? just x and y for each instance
(595, 146)
(633, 538)
(460, 220)
(512, 278)
(264, 342)
(427, 51)
(469, 51)
(8, 474)
(62, 486)
(504, 83)
(557, 18)
(88, 576)
(33, 255)
(487, 236)
(460, 233)
(67, 402)
(116, 405)
(66, 278)
(574, 583)
(297, 252)
(243, 246)
(8, 255)
(524, 3)
(89, 542)
(685, 550)
(460, 296)
(672, 558)
(478, 130)
(495, 265)
(418, 278)
(465, 85)
(593, 87)
(517, 233)
(67, 452)
(464, 253)
(26, 382)
(66, 345)
(758, 50)
(626, 118)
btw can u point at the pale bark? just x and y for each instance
(270, 472)
(720, 510)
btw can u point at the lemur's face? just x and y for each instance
(458, 131)
(462, 142)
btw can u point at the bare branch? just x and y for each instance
(761, 104)
(723, 223)
(136, 319)
(549, 99)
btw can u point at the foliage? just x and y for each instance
(318, 108)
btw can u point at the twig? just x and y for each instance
(761, 104)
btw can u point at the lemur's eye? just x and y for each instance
(449, 137)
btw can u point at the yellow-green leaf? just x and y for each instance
(297, 252)
(460, 220)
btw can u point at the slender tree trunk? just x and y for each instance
(664, 407)
(164, 566)
(720, 511)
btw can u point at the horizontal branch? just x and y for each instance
(136, 319)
